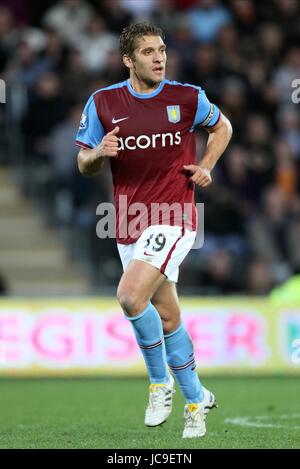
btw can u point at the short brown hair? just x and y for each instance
(134, 31)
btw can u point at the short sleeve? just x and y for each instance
(90, 132)
(207, 114)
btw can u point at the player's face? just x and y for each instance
(149, 60)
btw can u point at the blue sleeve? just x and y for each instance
(207, 113)
(90, 132)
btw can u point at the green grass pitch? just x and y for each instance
(109, 412)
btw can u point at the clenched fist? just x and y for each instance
(200, 176)
(109, 144)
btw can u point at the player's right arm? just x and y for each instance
(94, 144)
(91, 161)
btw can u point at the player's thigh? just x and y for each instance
(164, 247)
(137, 285)
(165, 300)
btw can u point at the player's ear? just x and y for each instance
(127, 61)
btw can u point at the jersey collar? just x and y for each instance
(145, 95)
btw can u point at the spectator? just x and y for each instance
(75, 77)
(206, 19)
(245, 17)
(181, 40)
(230, 54)
(270, 232)
(69, 18)
(47, 109)
(221, 276)
(261, 161)
(62, 152)
(96, 44)
(9, 35)
(55, 51)
(233, 98)
(287, 13)
(114, 71)
(258, 280)
(271, 42)
(238, 181)
(206, 70)
(114, 15)
(286, 169)
(165, 16)
(139, 10)
(25, 68)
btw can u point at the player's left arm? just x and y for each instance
(220, 132)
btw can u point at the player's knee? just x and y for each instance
(130, 302)
(170, 325)
(170, 316)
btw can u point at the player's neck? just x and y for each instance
(141, 87)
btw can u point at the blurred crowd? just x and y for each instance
(244, 53)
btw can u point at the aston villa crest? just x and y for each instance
(173, 114)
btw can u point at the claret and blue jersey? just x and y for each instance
(156, 139)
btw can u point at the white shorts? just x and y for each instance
(162, 246)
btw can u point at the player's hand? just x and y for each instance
(109, 144)
(200, 176)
